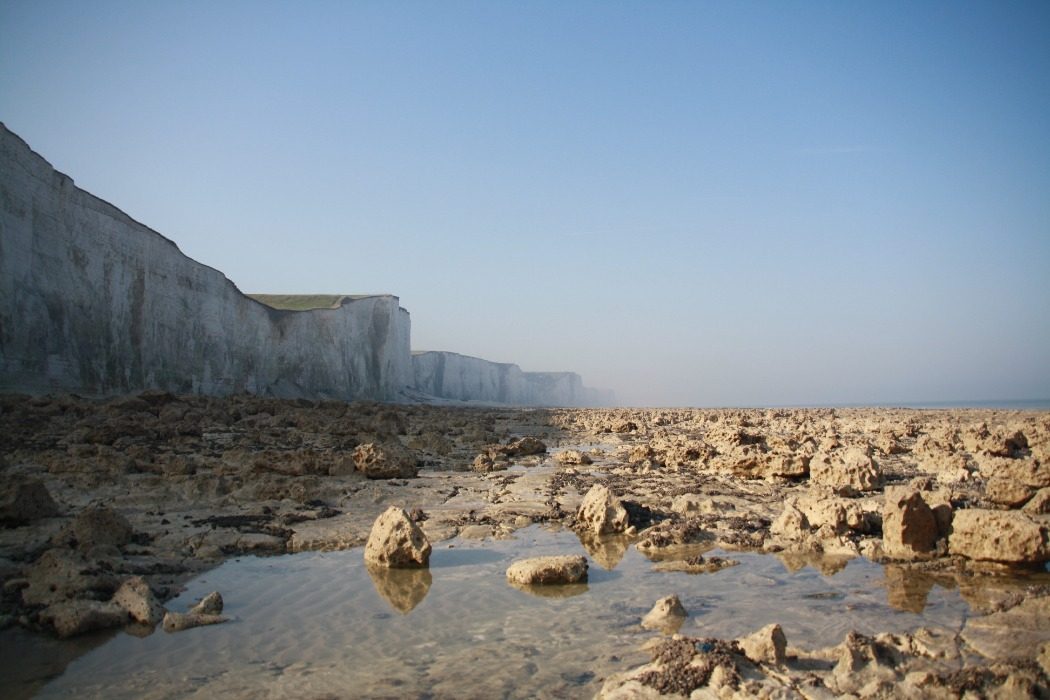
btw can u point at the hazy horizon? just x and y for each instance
(691, 204)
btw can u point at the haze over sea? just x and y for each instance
(692, 204)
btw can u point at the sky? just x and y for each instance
(706, 203)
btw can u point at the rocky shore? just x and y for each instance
(109, 507)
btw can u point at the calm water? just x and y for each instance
(319, 625)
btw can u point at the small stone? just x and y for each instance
(177, 622)
(210, 604)
(100, 526)
(569, 457)
(397, 542)
(766, 646)
(666, 616)
(548, 570)
(137, 598)
(1040, 503)
(1008, 492)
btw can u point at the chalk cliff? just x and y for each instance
(94, 302)
(452, 376)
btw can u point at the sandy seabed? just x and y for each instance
(816, 552)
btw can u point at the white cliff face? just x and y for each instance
(451, 376)
(93, 302)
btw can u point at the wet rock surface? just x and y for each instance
(124, 500)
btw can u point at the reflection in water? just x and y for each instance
(907, 589)
(827, 564)
(606, 550)
(404, 589)
(551, 590)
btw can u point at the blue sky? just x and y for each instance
(692, 203)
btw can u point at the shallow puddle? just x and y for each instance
(318, 624)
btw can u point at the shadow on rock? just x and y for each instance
(404, 589)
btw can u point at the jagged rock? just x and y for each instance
(1040, 503)
(75, 617)
(386, 461)
(602, 512)
(210, 604)
(23, 499)
(766, 646)
(397, 542)
(177, 622)
(909, 526)
(1001, 536)
(60, 574)
(666, 616)
(570, 457)
(527, 445)
(1028, 471)
(99, 526)
(791, 524)
(848, 472)
(548, 570)
(696, 565)
(488, 462)
(140, 602)
(1008, 492)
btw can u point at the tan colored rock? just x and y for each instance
(766, 646)
(571, 457)
(177, 622)
(666, 616)
(1008, 492)
(61, 574)
(386, 461)
(791, 524)
(211, 604)
(1028, 471)
(601, 512)
(72, 618)
(1001, 536)
(140, 602)
(1040, 503)
(397, 542)
(548, 570)
(488, 462)
(909, 526)
(100, 526)
(849, 472)
(23, 499)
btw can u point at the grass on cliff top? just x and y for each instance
(300, 302)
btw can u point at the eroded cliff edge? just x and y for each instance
(94, 302)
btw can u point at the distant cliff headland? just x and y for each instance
(95, 303)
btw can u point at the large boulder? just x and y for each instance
(548, 570)
(62, 574)
(1001, 536)
(909, 526)
(397, 542)
(848, 472)
(99, 526)
(602, 512)
(387, 461)
(23, 499)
